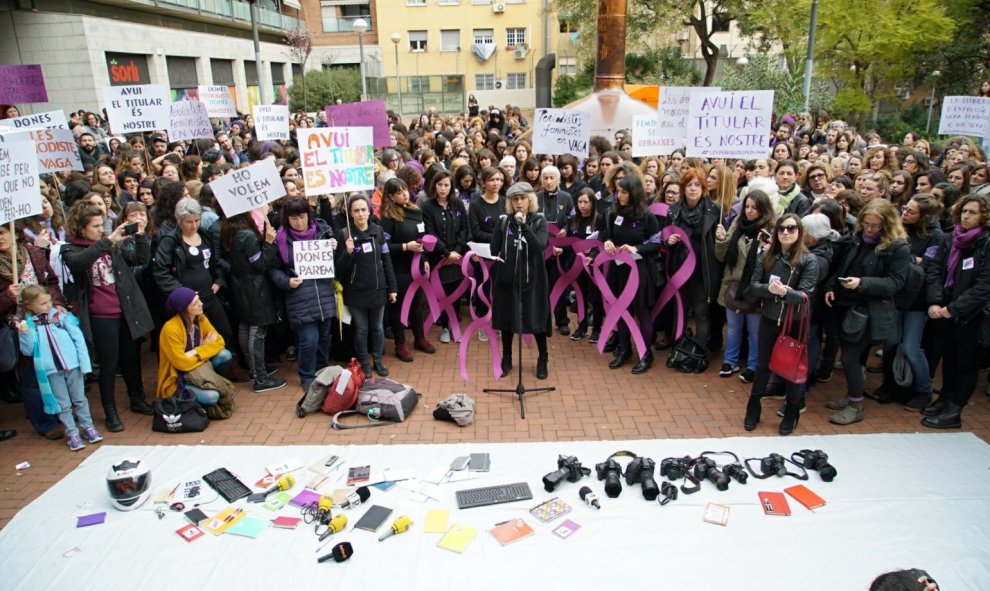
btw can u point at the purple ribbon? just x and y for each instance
(569, 277)
(446, 302)
(672, 290)
(420, 281)
(482, 323)
(617, 307)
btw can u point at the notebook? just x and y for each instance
(774, 503)
(511, 531)
(436, 521)
(550, 510)
(458, 538)
(803, 495)
(250, 527)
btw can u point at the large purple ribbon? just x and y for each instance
(569, 277)
(420, 281)
(446, 302)
(672, 289)
(482, 323)
(617, 306)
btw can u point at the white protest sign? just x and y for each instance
(137, 108)
(561, 131)
(247, 188)
(188, 120)
(48, 120)
(965, 115)
(732, 124)
(218, 101)
(19, 193)
(56, 148)
(336, 159)
(271, 122)
(647, 140)
(312, 259)
(672, 112)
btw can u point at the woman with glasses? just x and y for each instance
(815, 182)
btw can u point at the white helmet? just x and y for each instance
(129, 483)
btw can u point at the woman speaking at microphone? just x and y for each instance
(521, 300)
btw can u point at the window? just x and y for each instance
(515, 81)
(484, 36)
(484, 81)
(415, 2)
(419, 84)
(181, 72)
(448, 2)
(339, 18)
(278, 73)
(568, 25)
(515, 36)
(567, 66)
(417, 40)
(223, 72)
(450, 40)
(720, 23)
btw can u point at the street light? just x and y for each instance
(931, 101)
(396, 39)
(361, 25)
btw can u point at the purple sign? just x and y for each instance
(22, 84)
(363, 114)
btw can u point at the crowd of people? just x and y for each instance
(884, 241)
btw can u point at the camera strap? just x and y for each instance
(719, 453)
(761, 476)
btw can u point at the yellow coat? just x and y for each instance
(172, 357)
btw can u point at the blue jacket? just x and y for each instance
(315, 299)
(68, 337)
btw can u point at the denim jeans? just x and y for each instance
(252, 340)
(70, 392)
(314, 347)
(221, 363)
(733, 345)
(912, 330)
(368, 332)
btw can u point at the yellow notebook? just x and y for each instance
(220, 522)
(436, 521)
(457, 538)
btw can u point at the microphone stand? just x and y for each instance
(520, 390)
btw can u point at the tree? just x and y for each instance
(784, 22)
(300, 46)
(765, 73)
(965, 61)
(326, 86)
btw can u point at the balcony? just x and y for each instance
(345, 24)
(230, 11)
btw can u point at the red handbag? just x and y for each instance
(789, 358)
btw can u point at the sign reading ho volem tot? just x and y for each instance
(965, 115)
(247, 188)
(18, 182)
(218, 101)
(336, 159)
(313, 259)
(561, 131)
(22, 84)
(271, 122)
(729, 124)
(137, 108)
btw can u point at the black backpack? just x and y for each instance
(915, 280)
(689, 355)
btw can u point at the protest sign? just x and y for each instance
(363, 114)
(646, 138)
(337, 159)
(247, 188)
(22, 84)
(271, 122)
(965, 115)
(47, 120)
(732, 124)
(137, 108)
(312, 259)
(218, 101)
(19, 193)
(561, 131)
(672, 112)
(188, 120)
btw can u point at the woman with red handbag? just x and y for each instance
(785, 279)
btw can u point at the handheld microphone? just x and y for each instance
(590, 498)
(356, 498)
(337, 524)
(284, 483)
(341, 552)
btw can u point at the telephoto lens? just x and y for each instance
(611, 473)
(649, 484)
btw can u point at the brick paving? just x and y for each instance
(591, 403)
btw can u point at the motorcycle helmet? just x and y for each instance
(129, 483)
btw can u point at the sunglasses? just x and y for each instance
(787, 229)
(815, 177)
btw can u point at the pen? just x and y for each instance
(233, 516)
(767, 504)
(502, 523)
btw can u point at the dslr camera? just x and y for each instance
(815, 460)
(707, 469)
(674, 468)
(568, 467)
(773, 465)
(611, 472)
(640, 470)
(736, 471)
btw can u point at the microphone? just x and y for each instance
(590, 498)
(335, 525)
(520, 217)
(356, 498)
(284, 483)
(339, 553)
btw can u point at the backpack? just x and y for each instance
(688, 355)
(316, 393)
(341, 396)
(915, 280)
(382, 400)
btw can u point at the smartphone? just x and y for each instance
(130, 229)
(766, 235)
(196, 516)
(373, 518)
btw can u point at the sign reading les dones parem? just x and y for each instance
(313, 259)
(137, 108)
(561, 131)
(732, 124)
(247, 188)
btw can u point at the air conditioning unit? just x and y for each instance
(499, 84)
(521, 50)
(498, 8)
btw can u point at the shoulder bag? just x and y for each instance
(789, 358)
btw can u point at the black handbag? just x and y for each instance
(854, 324)
(8, 347)
(177, 415)
(688, 355)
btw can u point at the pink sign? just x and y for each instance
(22, 84)
(363, 114)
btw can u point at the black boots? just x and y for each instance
(753, 408)
(140, 406)
(949, 418)
(643, 364)
(541, 367)
(619, 360)
(506, 363)
(792, 413)
(113, 423)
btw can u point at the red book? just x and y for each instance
(774, 503)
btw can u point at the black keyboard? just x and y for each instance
(493, 495)
(225, 483)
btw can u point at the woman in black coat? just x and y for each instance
(585, 223)
(965, 283)
(364, 267)
(446, 218)
(519, 240)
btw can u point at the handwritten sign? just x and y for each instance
(729, 124)
(19, 197)
(22, 84)
(561, 131)
(672, 112)
(247, 188)
(363, 114)
(336, 159)
(271, 122)
(965, 115)
(56, 148)
(48, 120)
(137, 108)
(188, 120)
(218, 101)
(312, 259)
(646, 138)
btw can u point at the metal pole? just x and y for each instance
(810, 63)
(398, 80)
(931, 104)
(364, 82)
(257, 51)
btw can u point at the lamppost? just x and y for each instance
(360, 26)
(931, 101)
(396, 38)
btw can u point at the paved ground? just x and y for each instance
(591, 403)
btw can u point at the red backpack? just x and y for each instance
(344, 398)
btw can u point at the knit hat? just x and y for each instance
(180, 299)
(519, 189)
(817, 226)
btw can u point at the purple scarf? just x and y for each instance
(961, 240)
(282, 238)
(871, 238)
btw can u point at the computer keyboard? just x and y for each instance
(493, 495)
(225, 483)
